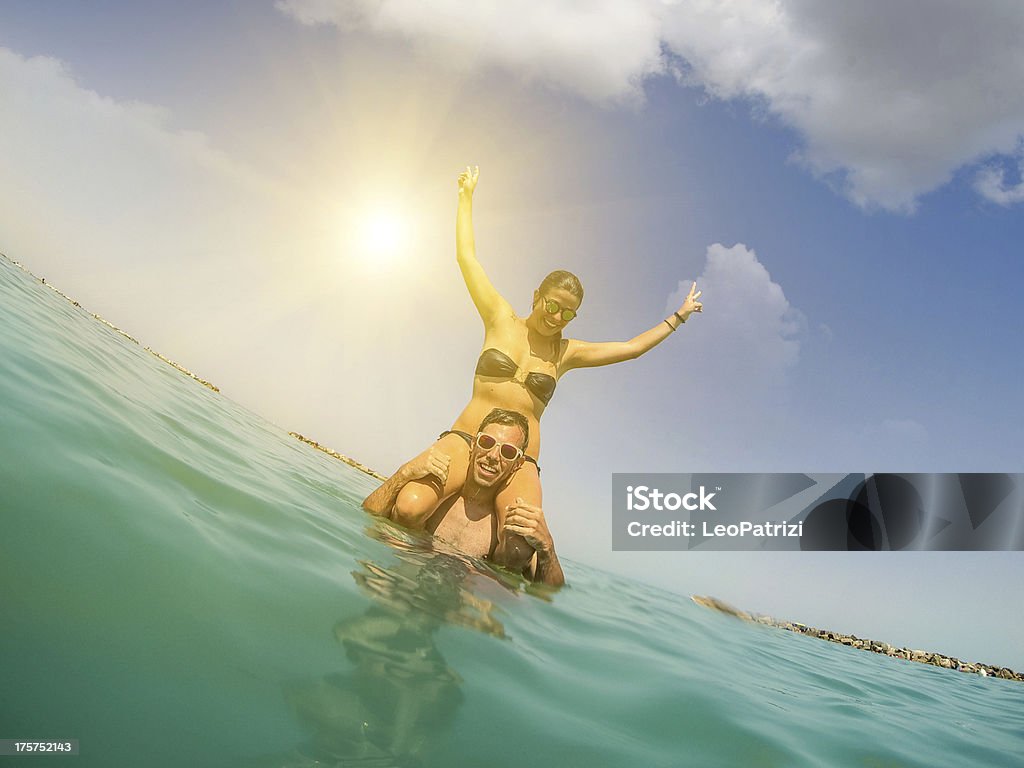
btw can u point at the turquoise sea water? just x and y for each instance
(185, 584)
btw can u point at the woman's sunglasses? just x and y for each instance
(552, 308)
(508, 451)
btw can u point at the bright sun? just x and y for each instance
(384, 234)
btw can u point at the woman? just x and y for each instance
(522, 360)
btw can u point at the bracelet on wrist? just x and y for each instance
(680, 318)
(671, 327)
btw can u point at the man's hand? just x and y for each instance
(433, 463)
(528, 521)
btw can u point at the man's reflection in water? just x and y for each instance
(401, 692)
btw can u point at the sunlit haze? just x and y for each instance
(266, 193)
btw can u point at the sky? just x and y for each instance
(265, 193)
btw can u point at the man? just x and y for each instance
(469, 521)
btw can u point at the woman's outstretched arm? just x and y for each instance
(489, 303)
(585, 354)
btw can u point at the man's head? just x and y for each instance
(498, 447)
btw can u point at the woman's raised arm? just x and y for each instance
(585, 354)
(489, 303)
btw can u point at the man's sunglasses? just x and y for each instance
(552, 308)
(508, 451)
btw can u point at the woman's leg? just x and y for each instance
(512, 551)
(417, 501)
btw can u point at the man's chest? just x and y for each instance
(472, 534)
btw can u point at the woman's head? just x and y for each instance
(556, 302)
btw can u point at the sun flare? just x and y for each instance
(384, 235)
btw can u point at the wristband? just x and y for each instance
(671, 327)
(681, 318)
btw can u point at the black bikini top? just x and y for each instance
(496, 363)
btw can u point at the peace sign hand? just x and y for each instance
(691, 305)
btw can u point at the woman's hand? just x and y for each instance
(467, 181)
(691, 305)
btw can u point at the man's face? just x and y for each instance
(489, 468)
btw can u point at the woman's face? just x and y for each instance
(550, 308)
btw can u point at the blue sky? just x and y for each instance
(844, 185)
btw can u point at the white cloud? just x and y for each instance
(991, 183)
(890, 99)
(600, 49)
(84, 173)
(149, 226)
(749, 336)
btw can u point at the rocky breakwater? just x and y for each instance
(907, 654)
(335, 454)
(42, 281)
(186, 371)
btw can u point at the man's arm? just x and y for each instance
(546, 569)
(528, 521)
(382, 501)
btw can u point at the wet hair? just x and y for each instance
(566, 281)
(509, 419)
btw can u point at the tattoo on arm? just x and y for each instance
(548, 570)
